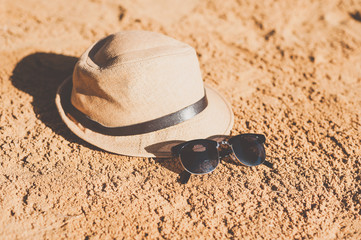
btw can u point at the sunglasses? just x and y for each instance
(202, 156)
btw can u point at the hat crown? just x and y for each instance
(133, 45)
(135, 76)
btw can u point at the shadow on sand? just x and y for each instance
(40, 74)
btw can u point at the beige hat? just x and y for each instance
(138, 93)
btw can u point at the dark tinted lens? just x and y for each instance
(200, 156)
(248, 149)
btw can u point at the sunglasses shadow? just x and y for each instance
(163, 155)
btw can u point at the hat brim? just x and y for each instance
(216, 119)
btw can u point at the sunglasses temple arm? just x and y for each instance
(268, 164)
(184, 177)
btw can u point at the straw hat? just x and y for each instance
(138, 93)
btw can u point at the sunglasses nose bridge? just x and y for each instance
(223, 143)
(224, 149)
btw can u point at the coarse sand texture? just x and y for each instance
(291, 70)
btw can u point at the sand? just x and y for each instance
(291, 70)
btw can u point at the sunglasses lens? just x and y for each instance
(199, 157)
(248, 149)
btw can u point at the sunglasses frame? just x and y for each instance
(176, 150)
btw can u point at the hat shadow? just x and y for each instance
(39, 74)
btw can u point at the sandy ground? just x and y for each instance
(291, 69)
